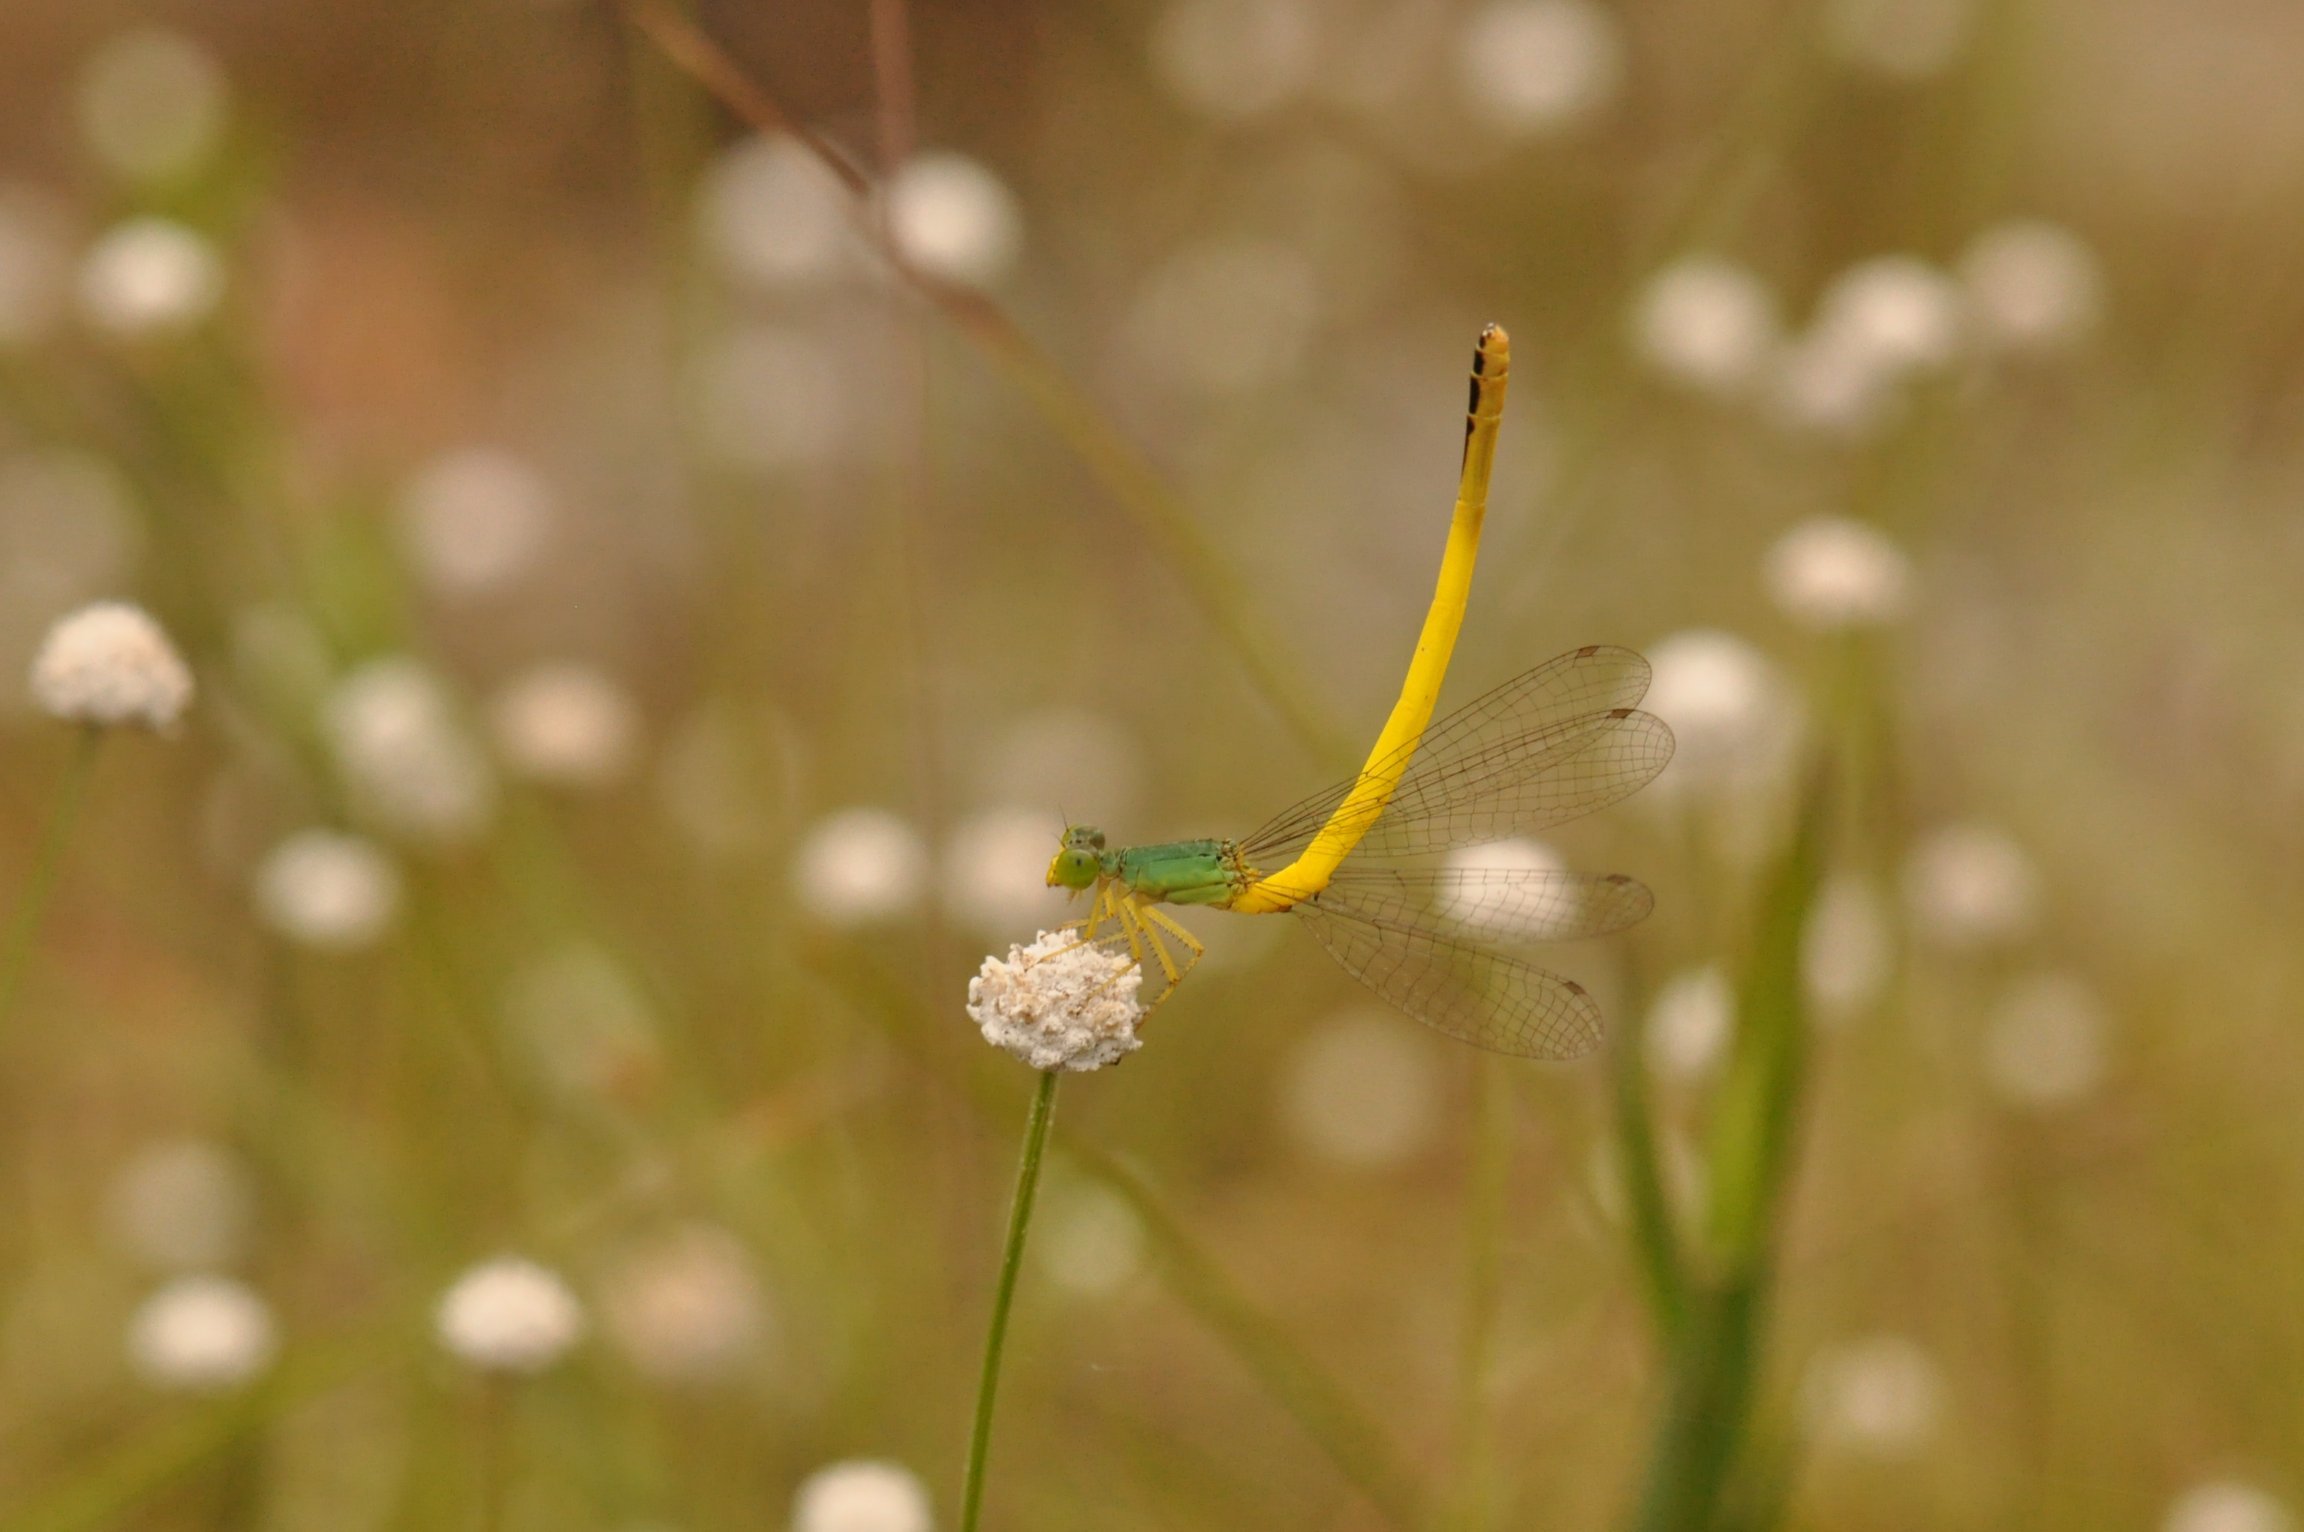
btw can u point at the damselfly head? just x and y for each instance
(1078, 858)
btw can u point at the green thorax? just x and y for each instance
(1180, 872)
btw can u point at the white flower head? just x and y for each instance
(1901, 40)
(1970, 885)
(1846, 948)
(567, 725)
(2033, 285)
(328, 890)
(954, 219)
(1900, 311)
(1538, 66)
(1830, 573)
(1059, 1003)
(1707, 323)
(509, 1315)
(1363, 1091)
(2044, 1045)
(862, 1495)
(404, 753)
(685, 1308)
(182, 1205)
(150, 276)
(2228, 1505)
(860, 865)
(475, 519)
(1087, 1238)
(1881, 1395)
(110, 664)
(995, 871)
(1235, 59)
(774, 216)
(202, 1333)
(1732, 713)
(1690, 1024)
(1506, 908)
(152, 103)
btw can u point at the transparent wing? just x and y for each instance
(1557, 743)
(1422, 941)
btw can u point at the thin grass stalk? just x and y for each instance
(1004, 1298)
(1352, 1441)
(47, 867)
(1222, 595)
(1655, 1241)
(1715, 1359)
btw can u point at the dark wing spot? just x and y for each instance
(1587, 651)
(1620, 712)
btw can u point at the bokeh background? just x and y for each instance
(502, 1061)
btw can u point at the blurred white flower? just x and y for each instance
(2033, 286)
(2044, 1043)
(772, 399)
(954, 219)
(152, 103)
(404, 754)
(1847, 948)
(1969, 885)
(329, 890)
(2228, 1505)
(1830, 573)
(35, 264)
(859, 865)
(150, 276)
(1537, 66)
(110, 664)
(1898, 310)
(1059, 1003)
(1511, 913)
(685, 1308)
(509, 1315)
(1087, 1239)
(1732, 713)
(202, 1333)
(862, 1495)
(774, 216)
(1235, 59)
(1226, 316)
(1907, 40)
(1707, 323)
(582, 1021)
(182, 1205)
(995, 871)
(1362, 1090)
(1690, 1023)
(475, 519)
(567, 725)
(1881, 1396)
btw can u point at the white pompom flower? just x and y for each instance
(111, 664)
(509, 1315)
(862, 1495)
(328, 890)
(1830, 573)
(1059, 1003)
(201, 1333)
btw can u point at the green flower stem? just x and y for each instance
(1490, 1178)
(1004, 1297)
(47, 866)
(1701, 1450)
